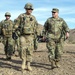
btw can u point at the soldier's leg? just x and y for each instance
(17, 43)
(29, 52)
(59, 52)
(14, 47)
(23, 57)
(5, 42)
(5, 48)
(29, 58)
(10, 48)
(51, 49)
(22, 52)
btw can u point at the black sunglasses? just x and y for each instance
(53, 12)
(7, 15)
(29, 9)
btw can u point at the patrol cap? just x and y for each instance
(55, 10)
(28, 6)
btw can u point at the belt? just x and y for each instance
(28, 34)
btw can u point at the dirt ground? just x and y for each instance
(40, 64)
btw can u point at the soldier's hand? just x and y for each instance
(44, 38)
(67, 35)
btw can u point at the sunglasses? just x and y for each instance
(53, 12)
(7, 15)
(29, 9)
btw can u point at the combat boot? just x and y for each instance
(23, 64)
(8, 57)
(57, 64)
(53, 64)
(28, 66)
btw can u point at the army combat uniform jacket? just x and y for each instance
(55, 28)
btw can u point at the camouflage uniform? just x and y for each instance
(26, 26)
(7, 29)
(54, 28)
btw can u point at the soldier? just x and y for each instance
(26, 26)
(7, 29)
(54, 27)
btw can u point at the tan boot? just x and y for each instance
(57, 64)
(23, 64)
(28, 66)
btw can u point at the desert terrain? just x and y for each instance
(40, 64)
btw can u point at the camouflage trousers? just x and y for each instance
(8, 46)
(16, 45)
(55, 49)
(26, 47)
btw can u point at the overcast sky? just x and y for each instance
(42, 9)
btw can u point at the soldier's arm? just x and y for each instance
(16, 26)
(1, 26)
(65, 26)
(35, 25)
(1, 35)
(45, 29)
(66, 29)
(17, 22)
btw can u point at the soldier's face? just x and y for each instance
(29, 11)
(54, 14)
(7, 17)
